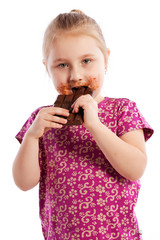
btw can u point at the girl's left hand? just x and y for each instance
(90, 108)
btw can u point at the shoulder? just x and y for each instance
(120, 101)
(119, 104)
(127, 115)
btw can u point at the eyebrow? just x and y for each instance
(81, 57)
(60, 60)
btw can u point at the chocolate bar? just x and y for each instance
(66, 101)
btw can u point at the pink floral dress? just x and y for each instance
(81, 196)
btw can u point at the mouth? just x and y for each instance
(91, 82)
(67, 89)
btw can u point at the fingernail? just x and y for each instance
(76, 110)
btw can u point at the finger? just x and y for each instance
(80, 102)
(61, 111)
(75, 108)
(55, 118)
(59, 120)
(53, 125)
(55, 110)
(83, 98)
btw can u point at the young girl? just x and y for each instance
(88, 174)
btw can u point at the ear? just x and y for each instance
(107, 56)
(108, 52)
(44, 63)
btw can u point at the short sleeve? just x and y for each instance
(130, 119)
(26, 126)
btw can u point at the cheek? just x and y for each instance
(56, 77)
(100, 70)
(99, 79)
(55, 80)
(61, 84)
(95, 82)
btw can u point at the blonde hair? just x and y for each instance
(76, 22)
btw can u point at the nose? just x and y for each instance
(75, 74)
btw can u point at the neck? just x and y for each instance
(98, 98)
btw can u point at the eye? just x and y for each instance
(86, 61)
(63, 65)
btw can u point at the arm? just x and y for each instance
(126, 154)
(26, 170)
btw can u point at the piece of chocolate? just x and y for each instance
(66, 101)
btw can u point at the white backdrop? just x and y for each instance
(131, 29)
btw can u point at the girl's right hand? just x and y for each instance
(46, 119)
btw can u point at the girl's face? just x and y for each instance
(76, 60)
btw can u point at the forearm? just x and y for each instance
(126, 159)
(26, 170)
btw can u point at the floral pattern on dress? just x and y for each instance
(81, 196)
